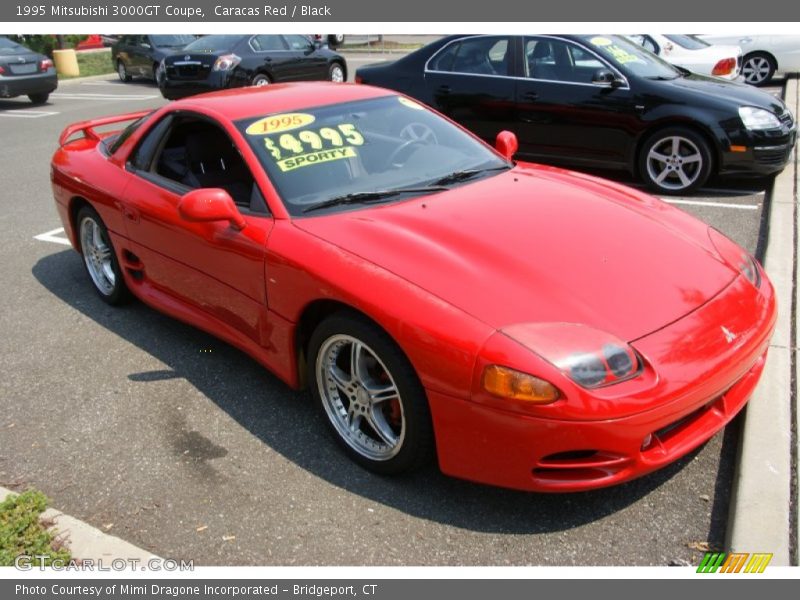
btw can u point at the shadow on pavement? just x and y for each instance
(427, 494)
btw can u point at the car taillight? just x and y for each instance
(724, 67)
(45, 64)
(359, 79)
(2, 70)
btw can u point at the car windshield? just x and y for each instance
(213, 43)
(690, 42)
(172, 41)
(382, 149)
(630, 57)
(9, 47)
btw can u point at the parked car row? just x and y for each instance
(598, 102)
(25, 73)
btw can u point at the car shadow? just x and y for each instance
(289, 424)
(21, 103)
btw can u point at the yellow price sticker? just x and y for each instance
(600, 41)
(279, 123)
(309, 141)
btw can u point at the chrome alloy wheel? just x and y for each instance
(674, 162)
(360, 397)
(756, 69)
(337, 74)
(97, 256)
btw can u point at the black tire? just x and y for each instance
(335, 40)
(336, 72)
(758, 68)
(38, 98)
(107, 280)
(261, 79)
(680, 172)
(122, 72)
(404, 409)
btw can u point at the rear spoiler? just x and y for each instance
(87, 127)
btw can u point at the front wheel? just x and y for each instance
(122, 72)
(99, 258)
(336, 73)
(758, 68)
(370, 395)
(675, 160)
(260, 80)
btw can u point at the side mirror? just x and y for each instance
(605, 78)
(316, 44)
(210, 204)
(506, 144)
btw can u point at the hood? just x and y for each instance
(727, 92)
(537, 244)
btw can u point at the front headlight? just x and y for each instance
(589, 357)
(735, 256)
(756, 119)
(226, 62)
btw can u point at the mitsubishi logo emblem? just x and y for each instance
(729, 335)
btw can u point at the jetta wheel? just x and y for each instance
(336, 73)
(675, 160)
(758, 68)
(99, 257)
(122, 72)
(370, 395)
(260, 80)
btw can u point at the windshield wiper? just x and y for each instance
(367, 197)
(457, 176)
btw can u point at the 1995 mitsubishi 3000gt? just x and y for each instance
(527, 326)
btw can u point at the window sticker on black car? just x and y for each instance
(310, 146)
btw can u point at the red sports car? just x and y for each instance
(530, 327)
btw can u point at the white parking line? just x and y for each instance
(68, 96)
(715, 204)
(52, 236)
(28, 114)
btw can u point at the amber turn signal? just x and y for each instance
(508, 383)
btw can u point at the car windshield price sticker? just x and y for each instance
(312, 146)
(278, 123)
(621, 55)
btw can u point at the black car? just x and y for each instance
(224, 61)
(24, 72)
(597, 101)
(140, 55)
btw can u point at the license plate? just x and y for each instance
(25, 69)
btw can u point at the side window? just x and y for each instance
(444, 60)
(297, 42)
(142, 156)
(488, 55)
(192, 153)
(551, 59)
(266, 43)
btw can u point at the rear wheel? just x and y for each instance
(99, 257)
(38, 98)
(336, 73)
(758, 68)
(370, 395)
(675, 160)
(261, 80)
(335, 40)
(122, 72)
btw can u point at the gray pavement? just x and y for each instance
(193, 451)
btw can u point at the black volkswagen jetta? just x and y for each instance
(224, 61)
(597, 101)
(24, 72)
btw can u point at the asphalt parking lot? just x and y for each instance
(162, 435)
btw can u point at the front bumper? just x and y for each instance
(757, 152)
(22, 85)
(703, 382)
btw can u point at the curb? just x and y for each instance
(89, 543)
(760, 515)
(87, 78)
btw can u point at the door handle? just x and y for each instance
(531, 96)
(443, 89)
